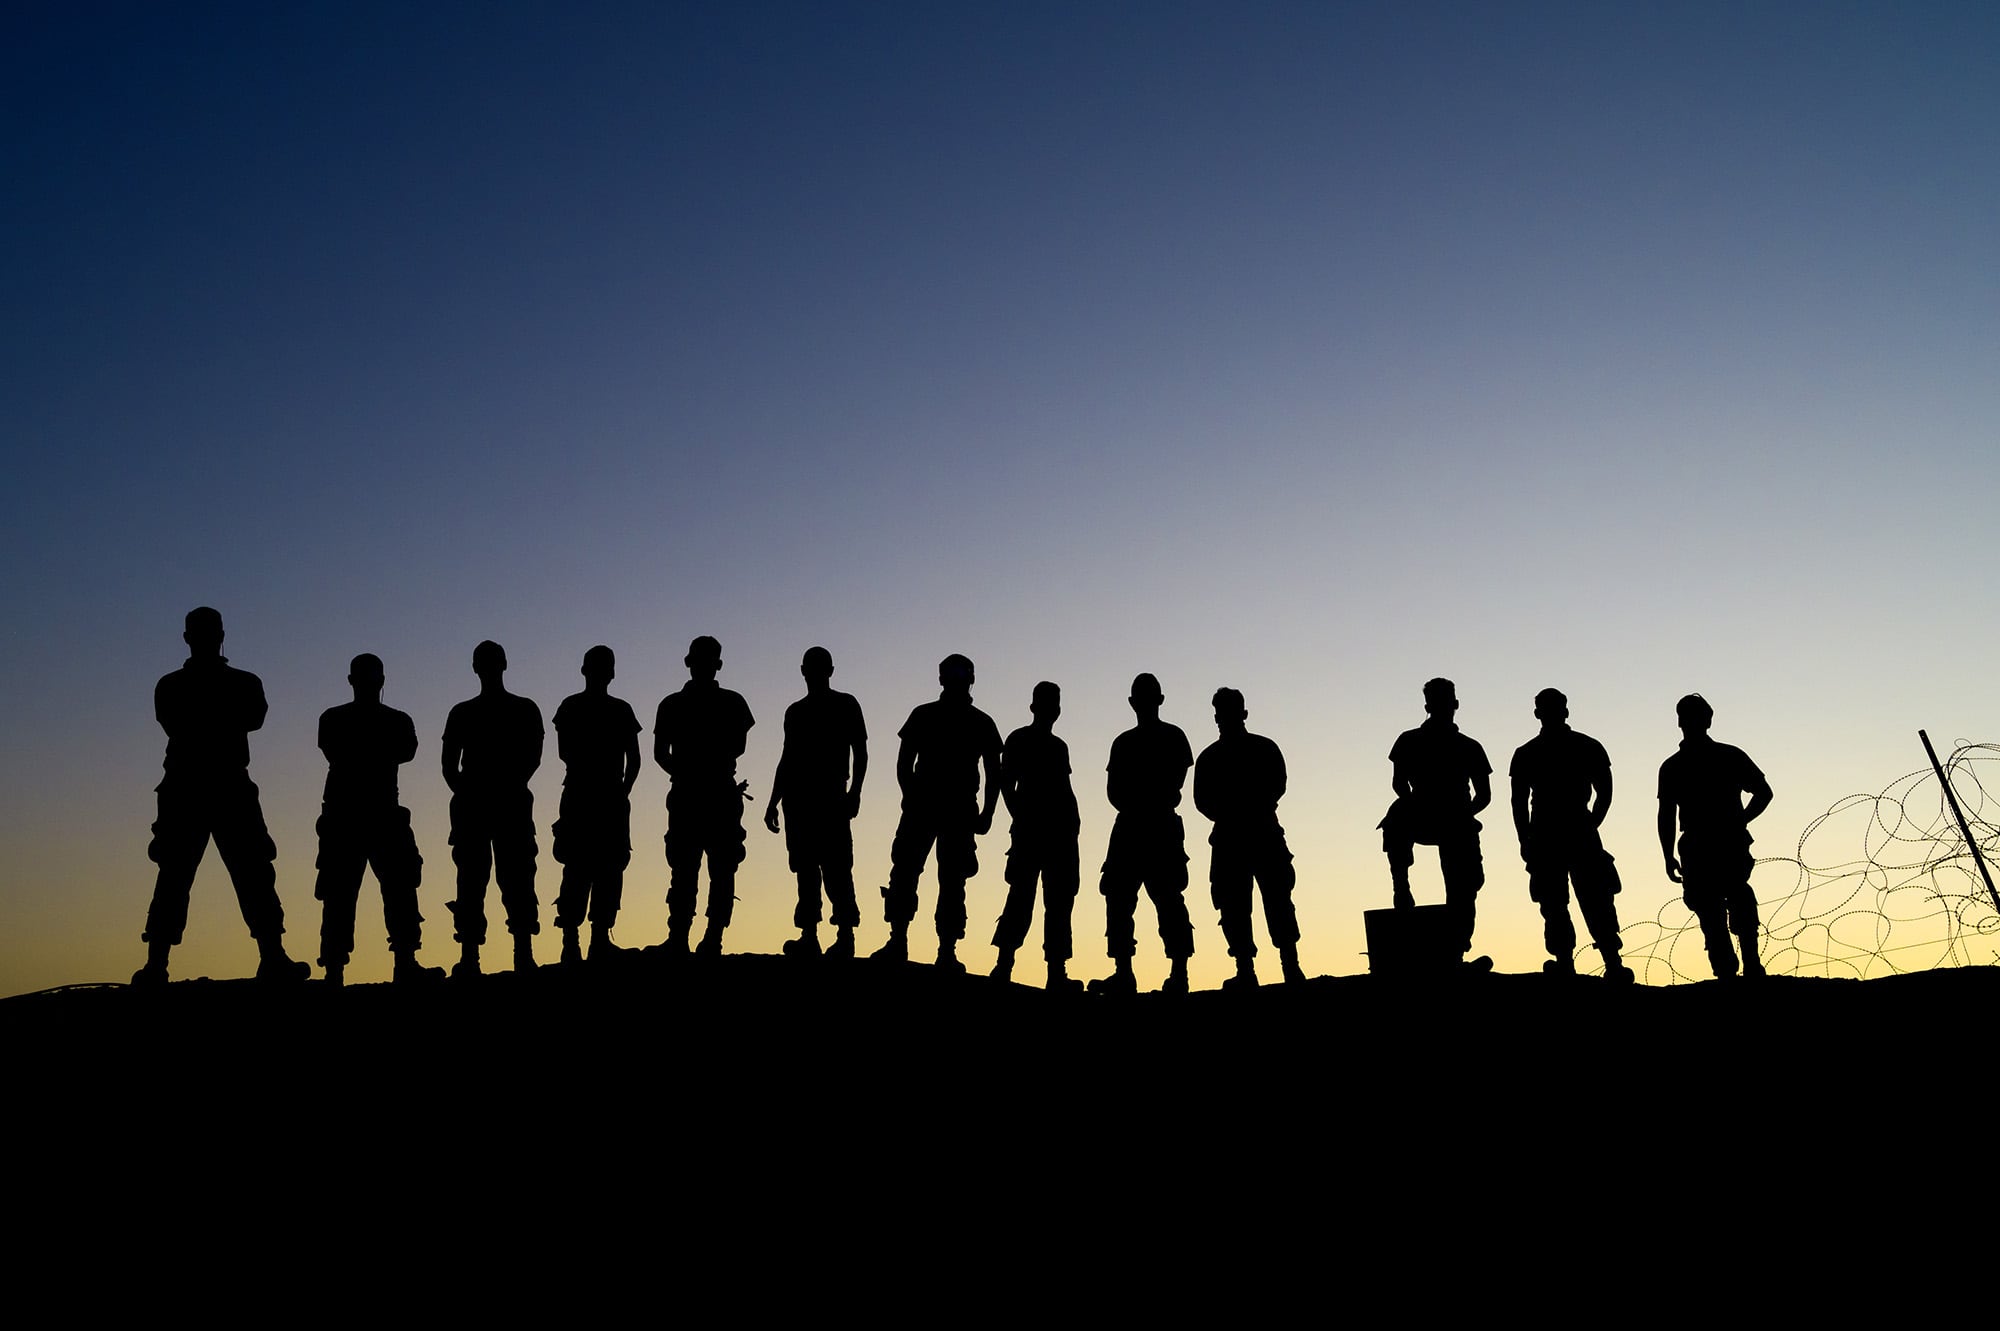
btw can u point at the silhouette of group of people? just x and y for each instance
(953, 771)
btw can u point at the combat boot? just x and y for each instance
(468, 962)
(601, 946)
(274, 967)
(1003, 965)
(1119, 983)
(572, 947)
(1288, 962)
(1245, 977)
(843, 944)
(898, 946)
(410, 971)
(947, 957)
(806, 946)
(711, 941)
(1615, 969)
(1176, 983)
(1753, 965)
(524, 952)
(1059, 981)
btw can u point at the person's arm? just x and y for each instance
(450, 752)
(1667, 810)
(534, 754)
(776, 797)
(1399, 781)
(1010, 778)
(1278, 757)
(1601, 784)
(990, 760)
(1760, 798)
(633, 762)
(1482, 791)
(254, 706)
(406, 748)
(663, 741)
(906, 765)
(860, 774)
(1204, 789)
(1519, 784)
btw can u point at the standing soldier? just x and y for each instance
(945, 745)
(1434, 769)
(492, 745)
(363, 824)
(698, 734)
(208, 709)
(1238, 782)
(1705, 784)
(1149, 766)
(821, 794)
(1562, 790)
(597, 737)
(1034, 780)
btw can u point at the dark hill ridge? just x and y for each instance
(756, 1111)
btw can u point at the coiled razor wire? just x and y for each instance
(1880, 885)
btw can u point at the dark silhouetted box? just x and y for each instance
(1414, 941)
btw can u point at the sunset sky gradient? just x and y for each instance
(1310, 349)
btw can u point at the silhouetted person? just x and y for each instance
(492, 745)
(1562, 790)
(363, 825)
(945, 744)
(1034, 780)
(1149, 766)
(1704, 784)
(1442, 781)
(208, 709)
(597, 737)
(698, 735)
(821, 794)
(1238, 781)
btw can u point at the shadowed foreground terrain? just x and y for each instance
(769, 1121)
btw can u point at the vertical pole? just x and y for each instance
(1959, 814)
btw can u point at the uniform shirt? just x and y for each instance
(1239, 778)
(704, 728)
(949, 738)
(1034, 772)
(1560, 768)
(1706, 781)
(821, 732)
(1149, 765)
(593, 733)
(1440, 765)
(364, 744)
(208, 709)
(498, 740)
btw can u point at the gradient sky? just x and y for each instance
(1309, 349)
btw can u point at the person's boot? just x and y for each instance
(1399, 890)
(1176, 984)
(1560, 967)
(1753, 965)
(335, 973)
(898, 946)
(153, 975)
(843, 944)
(711, 941)
(1288, 962)
(1615, 969)
(806, 946)
(947, 957)
(1003, 966)
(468, 962)
(275, 967)
(1245, 977)
(411, 971)
(1059, 981)
(524, 952)
(572, 947)
(601, 946)
(1121, 981)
